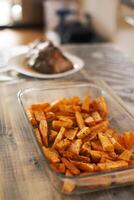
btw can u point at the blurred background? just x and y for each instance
(71, 21)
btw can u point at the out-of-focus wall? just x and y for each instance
(104, 15)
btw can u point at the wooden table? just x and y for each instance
(21, 167)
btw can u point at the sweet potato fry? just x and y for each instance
(71, 133)
(54, 106)
(84, 132)
(125, 155)
(52, 135)
(106, 144)
(117, 146)
(39, 115)
(128, 139)
(43, 127)
(79, 120)
(112, 165)
(102, 126)
(75, 101)
(90, 121)
(50, 116)
(83, 166)
(99, 104)
(95, 155)
(113, 155)
(40, 106)
(76, 157)
(66, 108)
(62, 144)
(38, 135)
(75, 146)
(120, 140)
(58, 124)
(96, 116)
(111, 132)
(131, 162)
(51, 154)
(91, 137)
(86, 148)
(58, 167)
(86, 103)
(68, 185)
(69, 165)
(31, 116)
(64, 118)
(76, 108)
(59, 136)
(96, 145)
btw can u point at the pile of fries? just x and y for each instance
(77, 139)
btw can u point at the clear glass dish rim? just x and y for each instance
(64, 86)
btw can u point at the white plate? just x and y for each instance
(19, 64)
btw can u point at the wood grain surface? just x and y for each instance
(22, 170)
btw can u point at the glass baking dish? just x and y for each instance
(120, 118)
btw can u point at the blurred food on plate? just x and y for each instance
(46, 58)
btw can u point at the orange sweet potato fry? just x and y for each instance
(117, 146)
(39, 115)
(62, 144)
(84, 132)
(86, 148)
(95, 155)
(68, 185)
(59, 136)
(58, 124)
(91, 137)
(43, 127)
(76, 108)
(38, 135)
(75, 146)
(111, 132)
(87, 167)
(79, 120)
(50, 116)
(65, 108)
(51, 154)
(66, 119)
(128, 139)
(102, 126)
(75, 101)
(40, 106)
(125, 155)
(96, 116)
(96, 145)
(105, 142)
(58, 167)
(90, 121)
(100, 105)
(54, 107)
(120, 140)
(52, 135)
(86, 103)
(76, 157)
(131, 163)
(112, 165)
(69, 165)
(71, 133)
(31, 116)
